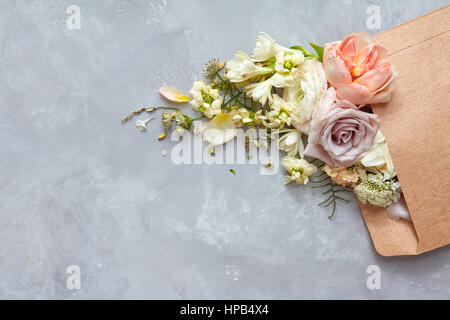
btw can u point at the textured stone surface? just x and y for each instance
(80, 188)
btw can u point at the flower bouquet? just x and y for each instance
(290, 92)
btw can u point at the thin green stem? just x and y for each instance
(167, 108)
(232, 98)
(218, 74)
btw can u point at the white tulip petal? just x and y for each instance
(219, 130)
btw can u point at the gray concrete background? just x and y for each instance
(80, 188)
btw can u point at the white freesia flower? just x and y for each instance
(286, 62)
(266, 48)
(206, 99)
(242, 68)
(219, 130)
(309, 95)
(260, 91)
(299, 169)
(291, 142)
(142, 124)
(279, 114)
(378, 159)
(287, 69)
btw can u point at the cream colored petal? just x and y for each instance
(172, 94)
(219, 130)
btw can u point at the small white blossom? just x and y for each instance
(142, 124)
(206, 99)
(287, 69)
(299, 169)
(242, 68)
(260, 91)
(291, 142)
(279, 114)
(375, 190)
(242, 117)
(266, 48)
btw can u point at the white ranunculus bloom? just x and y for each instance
(378, 159)
(266, 48)
(260, 91)
(309, 95)
(242, 68)
(299, 169)
(206, 99)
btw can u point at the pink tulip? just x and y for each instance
(359, 70)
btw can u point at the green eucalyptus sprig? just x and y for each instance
(333, 192)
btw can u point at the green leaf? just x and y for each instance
(232, 171)
(319, 50)
(306, 53)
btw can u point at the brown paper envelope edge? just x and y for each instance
(417, 49)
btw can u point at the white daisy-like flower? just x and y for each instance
(206, 99)
(299, 169)
(242, 68)
(266, 48)
(279, 114)
(309, 95)
(142, 124)
(260, 91)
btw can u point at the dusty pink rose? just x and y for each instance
(342, 135)
(359, 70)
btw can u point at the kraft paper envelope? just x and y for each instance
(416, 125)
